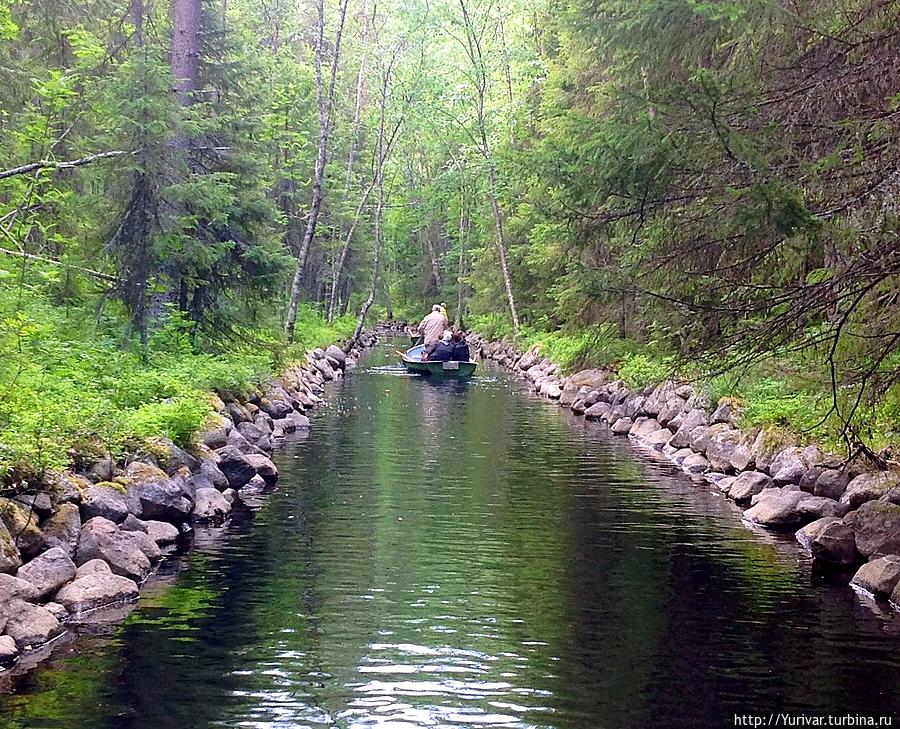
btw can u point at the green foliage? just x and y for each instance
(640, 370)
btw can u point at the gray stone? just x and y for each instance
(831, 483)
(880, 576)
(236, 466)
(815, 507)
(790, 473)
(238, 441)
(230, 496)
(765, 447)
(31, 625)
(56, 610)
(723, 414)
(721, 446)
(264, 467)
(336, 353)
(105, 501)
(96, 590)
(252, 432)
(695, 463)
(747, 484)
(238, 413)
(48, 572)
(92, 566)
(63, 527)
(808, 480)
(151, 494)
(742, 455)
(658, 439)
(597, 410)
(834, 546)
(210, 505)
(622, 426)
(39, 503)
(869, 486)
(162, 532)
(301, 422)
(877, 528)
(175, 457)
(10, 557)
(133, 524)
(813, 529)
(681, 454)
(15, 588)
(101, 539)
(643, 426)
(23, 526)
(776, 511)
(9, 651)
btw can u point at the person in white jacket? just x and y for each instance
(433, 325)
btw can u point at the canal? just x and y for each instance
(460, 554)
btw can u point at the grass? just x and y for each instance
(71, 386)
(783, 395)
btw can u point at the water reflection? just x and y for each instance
(458, 554)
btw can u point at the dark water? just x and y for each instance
(461, 555)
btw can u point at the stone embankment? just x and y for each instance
(89, 538)
(847, 518)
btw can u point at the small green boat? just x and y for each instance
(412, 360)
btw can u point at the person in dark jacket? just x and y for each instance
(460, 348)
(440, 351)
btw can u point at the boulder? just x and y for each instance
(597, 410)
(56, 610)
(877, 528)
(658, 439)
(151, 494)
(238, 413)
(702, 438)
(723, 414)
(686, 426)
(721, 447)
(62, 528)
(236, 466)
(695, 463)
(643, 427)
(252, 432)
(776, 511)
(766, 446)
(809, 478)
(747, 484)
(816, 507)
(162, 533)
(96, 590)
(231, 495)
(336, 353)
(67, 487)
(173, 458)
(39, 503)
(15, 588)
(106, 500)
(622, 426)
(300, 421)
(325, 368)
(133, 524)
(92, 566)
(788, 465)
(48, 572)
(830, 483)
(241, 443)
(10, 557)
(681, 454)
(264, 467)
(275, 407)
(741, 458)
(102, 539)
(869, 486)
(9, 651)
(835, 546)
(813, 529)
(211, 472)
(210, 505)
(880, 576)
(23, 526)
(31, 625)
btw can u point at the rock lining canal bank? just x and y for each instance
(846, 518)
(81, 547)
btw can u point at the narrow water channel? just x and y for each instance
(463, 555)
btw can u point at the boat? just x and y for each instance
(412, 360)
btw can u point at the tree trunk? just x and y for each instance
(325, 103)
(342, 260)
(501, 249)
(186, 18)
(461, 269)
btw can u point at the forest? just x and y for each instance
(195, 192)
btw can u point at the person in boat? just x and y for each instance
(441, 350)
(460, 348)
(433, 326)
(443, 306)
